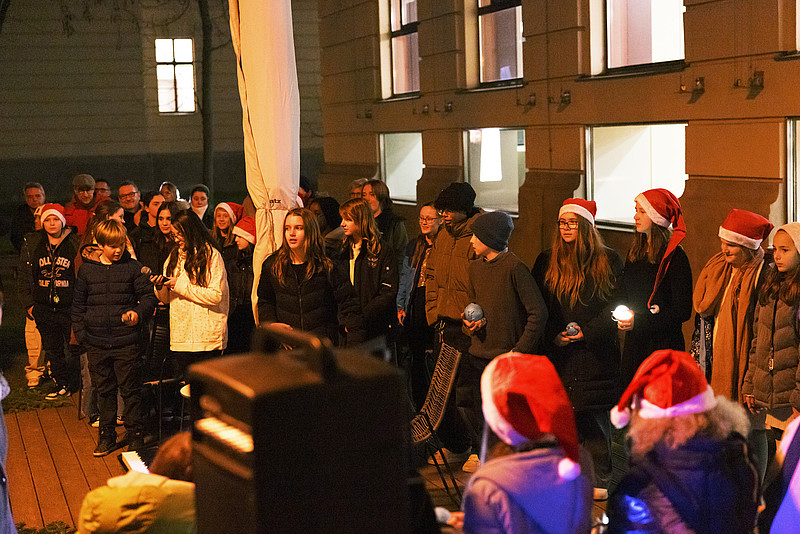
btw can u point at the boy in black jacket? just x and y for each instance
(112, 296)
(45, 284)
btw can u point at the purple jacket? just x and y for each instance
(523, 494)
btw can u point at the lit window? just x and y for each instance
(644, 31)
(626, 160)
(175, 75)
(793, 174)
(495, 166)
(405, 47)
(401, 164)
(500, 37)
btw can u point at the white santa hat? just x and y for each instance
(53, 209)
(667, 384)
(523, 400)
(585, 208)
(745, 228)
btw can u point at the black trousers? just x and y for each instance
(54, 328)
(185, 359)
(112, 369)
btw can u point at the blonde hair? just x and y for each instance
(111, 233)
(226, 239)
(718, 423)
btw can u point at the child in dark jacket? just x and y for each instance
(241, 322)
(46, 279)
(112, 295)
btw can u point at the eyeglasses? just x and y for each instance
(84, 189)
(567, 224)
(428, 220)
(128, 195)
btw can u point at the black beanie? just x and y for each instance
(493, 229)
(458, 196)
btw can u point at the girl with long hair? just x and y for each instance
(391, 225)
(577, 277)
(301, 288)
(656, 283)
(226, 214)
(771, 388)
(195, 286)
(371, 265)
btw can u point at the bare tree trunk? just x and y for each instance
(3, 10)
(205, 91)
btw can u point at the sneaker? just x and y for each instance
(94, 421)
(135, 441)
(452, 457)
(472, 464)
(106, 444)
(600, 494)
(57, 393)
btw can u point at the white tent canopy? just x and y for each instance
(262, 37)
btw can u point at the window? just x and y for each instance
(405, 47)
(401, 164)
(500, 38)
(626, 160)
(793, 170)
(495, 166)
(639, 32)
(175, 75)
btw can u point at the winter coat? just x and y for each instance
(512, 305)
(663, 330)
(589, 368)
(774, 384)
(393, 233)
(375, 282)
(240, 277)
(198, 316)
(318, 305)
(410, 273)
(148, 251)
(715, 478)
(148, 502)
(78, 215)
(103, 293)
(523, 494)
(447, 276)
(45, 280)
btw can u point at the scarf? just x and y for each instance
(725, 294)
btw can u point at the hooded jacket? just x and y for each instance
(103, 293)
(43, 278)
(523, 494)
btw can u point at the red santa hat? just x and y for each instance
(664, 209)
(523, 399)
(233, 209)
(668, 383)
(745, 228)
(246, 228)
(53, 209)
(585, 208)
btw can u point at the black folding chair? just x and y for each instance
(428, 420)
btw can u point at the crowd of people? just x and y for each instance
(97, 275)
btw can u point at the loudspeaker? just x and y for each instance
(304, 440)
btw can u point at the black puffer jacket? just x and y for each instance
(240, 276)
(103, 293)
(778, 386)
(318, 305)
(588, 368)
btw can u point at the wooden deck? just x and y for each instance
(51, 467)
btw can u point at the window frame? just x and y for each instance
(495, 6)
(174, 63)
(792, 177)
(384, 175)
(588, 184)
(467, 165)
(406, 28)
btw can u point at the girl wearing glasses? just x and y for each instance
(197, 292)
(657, 281)
(577, 277)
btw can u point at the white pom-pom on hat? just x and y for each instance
(620, 418)
(568, 470)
